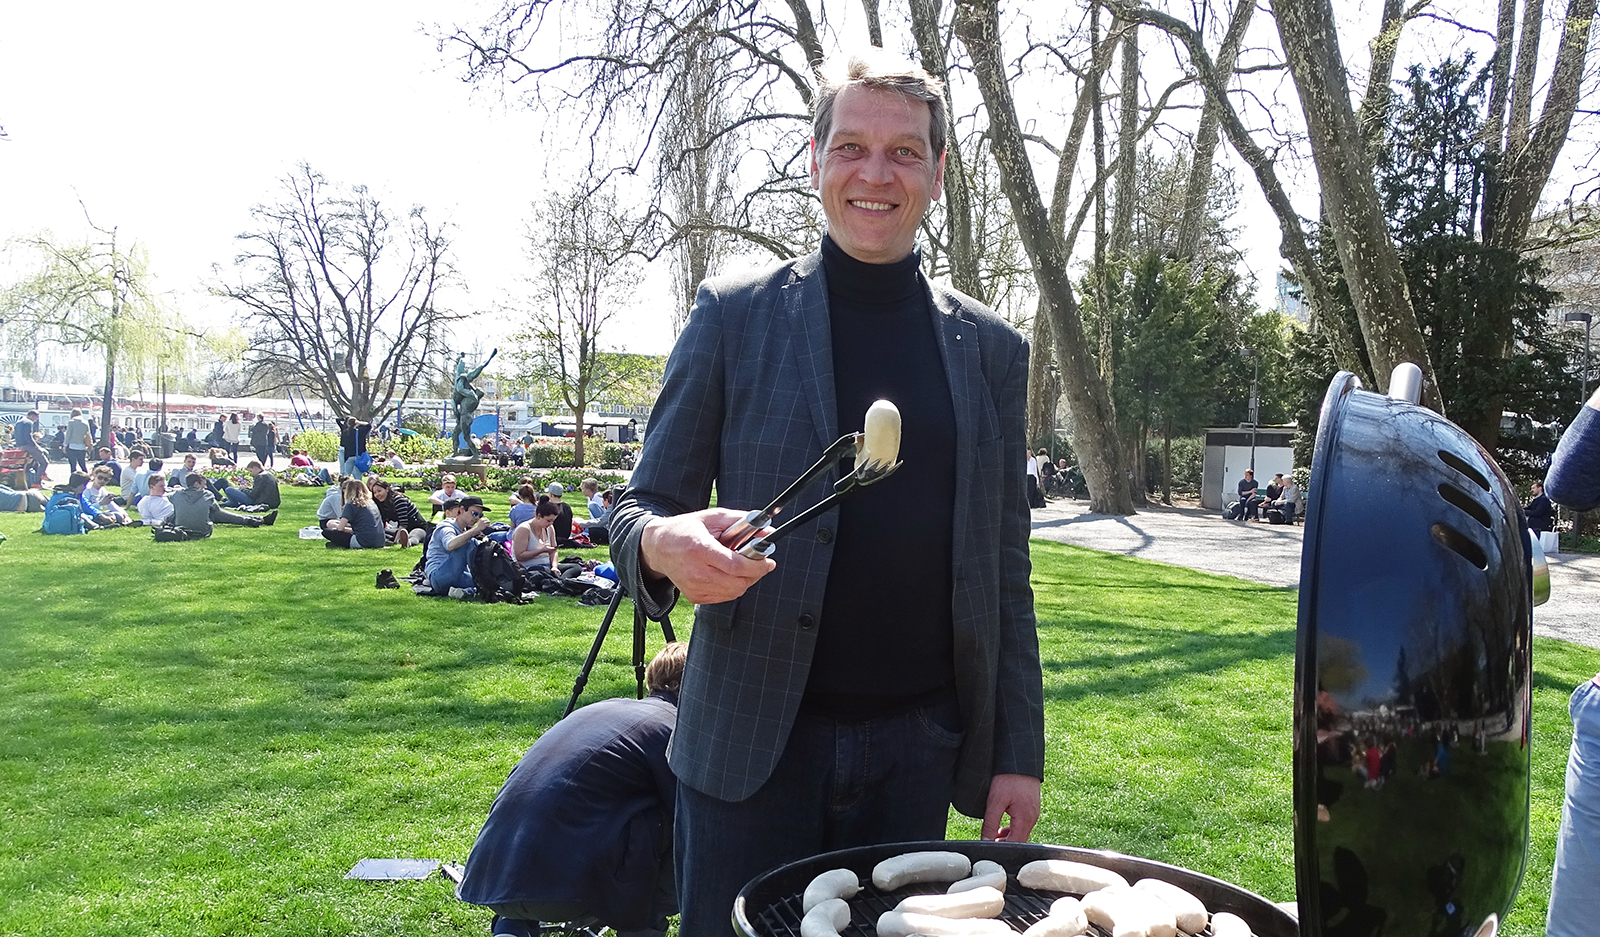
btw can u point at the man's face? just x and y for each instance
(158, 488)
(877, 173)
(188, 461)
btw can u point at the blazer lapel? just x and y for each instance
(805, 303)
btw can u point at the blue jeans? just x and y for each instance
(1575, 886)
(235, 497)
(838, 784)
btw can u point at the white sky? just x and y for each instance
(171, 120)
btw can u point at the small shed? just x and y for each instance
(1231, 450)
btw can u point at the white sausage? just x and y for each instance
(1224, 924)
(1078, 878)
(903, 924)
(1066, 919)
(1125, 913)
(914, 867)
(827, 919)
(984, 873)
(839, 883)
(1189, 910)
(974, 902)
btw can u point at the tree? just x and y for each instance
(340, 295)
(95, 296)
(581, 250)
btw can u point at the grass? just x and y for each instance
(202, 738)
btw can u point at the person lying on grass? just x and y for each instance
(195, 509)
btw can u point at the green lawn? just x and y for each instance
(202, 738)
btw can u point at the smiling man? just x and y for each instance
(884, 664)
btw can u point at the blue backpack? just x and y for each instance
(63, 514)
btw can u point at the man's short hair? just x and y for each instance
(254, 465)
(194, 480)
(665, 672)
(77, 479)
(879, 70)
(33, 414)
(135, 454)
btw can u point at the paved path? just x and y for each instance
(1201, 539)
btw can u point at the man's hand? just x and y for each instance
(1015, 796)
(685, 549)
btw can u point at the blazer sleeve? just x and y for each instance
(682, 446)
(1019, 703)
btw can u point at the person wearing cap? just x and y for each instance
(805, 670)
(566, 525)
(1574, 481)
(450, 548)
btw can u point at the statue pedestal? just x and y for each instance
(466, 465)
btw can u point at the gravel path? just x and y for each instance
(1201, 539)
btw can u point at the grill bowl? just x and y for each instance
(770, 905)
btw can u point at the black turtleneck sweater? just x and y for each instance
(886, 639)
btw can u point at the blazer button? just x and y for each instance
(806, 622)
(824, 535)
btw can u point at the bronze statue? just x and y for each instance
(464, 400)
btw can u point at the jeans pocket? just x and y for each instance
(941, 722)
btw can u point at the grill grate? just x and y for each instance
(1024, 907)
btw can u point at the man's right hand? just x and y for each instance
(685, 549)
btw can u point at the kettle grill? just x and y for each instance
(1412, 692)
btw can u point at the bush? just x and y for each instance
(506, 479)
(320, 445)
(616, 455)
(419, 450)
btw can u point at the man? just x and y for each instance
(450, 548)
(155, 507)
(263, 488)
(26, 433)
(447, 490)
(1540, 512)
(394, 460)
(180, 475)
(130, 480)
(27, 501)
(258, 437)
(352, 442)
(76, 484)
(1249, 499)
(195, 509)
(1289, 499)
(817, 662)
(582, 830)
(1574, 480)
(108, 460)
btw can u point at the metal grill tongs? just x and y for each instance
(746, 538)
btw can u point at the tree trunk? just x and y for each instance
(1198, 189)
(1127, 141)
(1041, 388)
(964, 269)
(978, 27)
(874, 27)
(1294, 246)
(1518, 177)
(1368, 257)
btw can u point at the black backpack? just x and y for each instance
(496, 575)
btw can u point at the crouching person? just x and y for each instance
(582, 830)
(448, 563)
(195, 509)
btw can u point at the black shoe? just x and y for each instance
(269, 518)
(386, 579)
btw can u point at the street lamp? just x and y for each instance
(1588, 322)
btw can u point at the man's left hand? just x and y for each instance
(1015, 796)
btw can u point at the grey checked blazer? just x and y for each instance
(748, 404)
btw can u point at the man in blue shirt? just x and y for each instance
(450, 548)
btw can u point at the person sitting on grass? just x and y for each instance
(533, 542)
(447, 490)
(220, 458)
(450, 548)
(359, 526)
(523, 503)
(129, 478)
(401, 519)
(394, 460)
(566, 839)
(567, 527)
(98, 493)
(154, 508)
(299, 459)
(263, 488)
(195, 510)
(179, 479)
